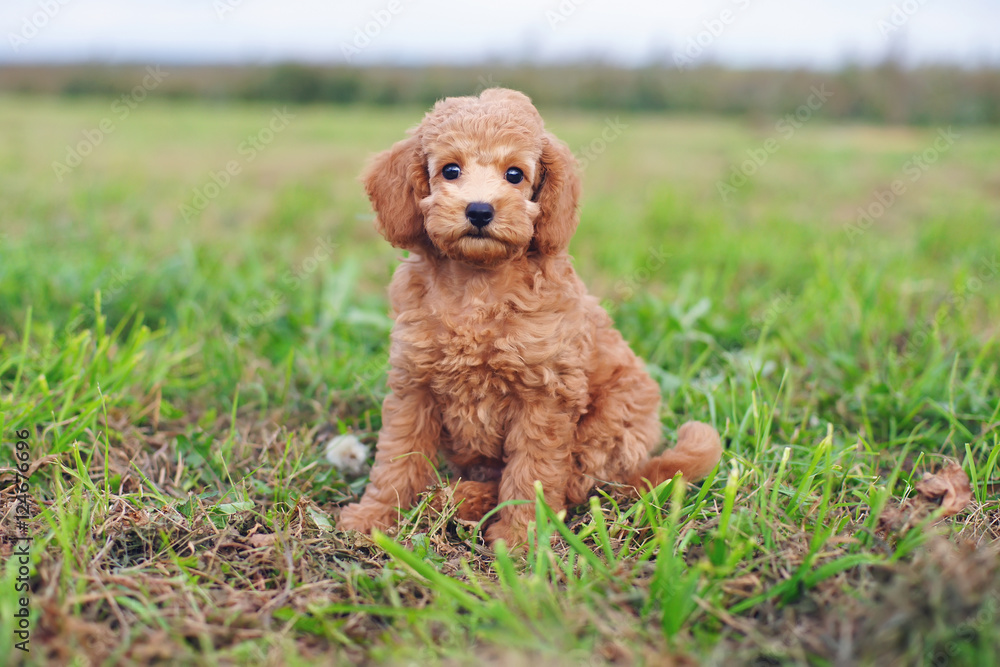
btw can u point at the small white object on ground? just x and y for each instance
(347, 454)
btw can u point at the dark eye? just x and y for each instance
(514, 175)
(451, 171)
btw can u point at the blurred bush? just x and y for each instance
(886, 93)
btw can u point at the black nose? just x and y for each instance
(479, 213)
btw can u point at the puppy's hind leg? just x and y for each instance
(620, 428)
(474, 500)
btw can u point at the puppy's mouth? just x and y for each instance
(482, 239)
(480, 245)
(480, 248)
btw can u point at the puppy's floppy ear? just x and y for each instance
(557, 191)
(396, 180)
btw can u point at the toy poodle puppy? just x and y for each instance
(500, 360)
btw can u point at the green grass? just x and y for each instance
(172, 376)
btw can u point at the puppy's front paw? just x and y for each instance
(366, 517)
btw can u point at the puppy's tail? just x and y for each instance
(697, 451)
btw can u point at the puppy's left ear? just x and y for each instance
(396, 180)
(557, 192)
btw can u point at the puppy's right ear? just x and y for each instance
(396, 180)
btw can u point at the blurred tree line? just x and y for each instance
(885, 93)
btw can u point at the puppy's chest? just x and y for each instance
(481, 365)
(477, 355)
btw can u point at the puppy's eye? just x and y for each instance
(514, 175)
(451, 171)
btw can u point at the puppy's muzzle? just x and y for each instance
(479, 214)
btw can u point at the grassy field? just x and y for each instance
(186, 308)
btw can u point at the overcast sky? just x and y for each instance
(820, 33)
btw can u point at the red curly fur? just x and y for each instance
(500, 360)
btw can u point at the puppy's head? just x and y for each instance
(478, 181)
